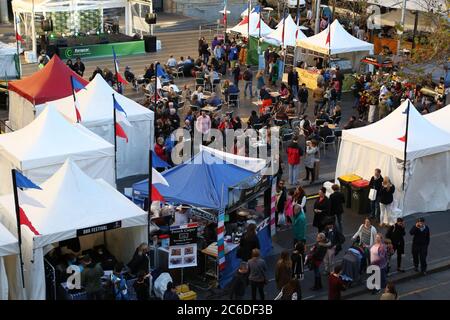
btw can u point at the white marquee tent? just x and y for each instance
(420, 5)
(8, 65)
(72, 201)
(290, 29)
(379, 146)
(40, 148)
(341, 41)
(242, 27)
(9, 248)
(96, 110)
(440, 118)
(425, 21)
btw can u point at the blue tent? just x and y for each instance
(198, 182)
(157, 162)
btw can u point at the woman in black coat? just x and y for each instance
(397, 235)
(321, 210)
(249, 241)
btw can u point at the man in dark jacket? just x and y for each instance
(337, 201)
(375, 183)
(239, 282)
(79, 67)
(303, 98)
(336, 239)
(294, 153)
(91, 278)
(293, 82)
(421, 240)
(397, 233)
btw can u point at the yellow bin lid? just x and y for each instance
(350, 178)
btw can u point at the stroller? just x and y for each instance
(353, 264)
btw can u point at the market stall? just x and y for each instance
(215, 185)
(41, 148)
(96, 111)
(287, 37)
(48, 84)
(382, 145)
(79, 209)
(257, 27)
(9, 250)
(333, 42)
(9, 62)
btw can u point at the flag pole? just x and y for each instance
(115, 140)
(156, 83)
(406, 145)
(74, 97)
(17, 45)
(119, 85)
(19, 230)
(149, 211)
(248, 26)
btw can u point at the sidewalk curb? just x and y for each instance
(400, 277)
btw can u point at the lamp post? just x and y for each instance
(317, 19)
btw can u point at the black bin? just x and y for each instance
(360, 196)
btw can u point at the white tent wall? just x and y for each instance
(123, 242)
(362, 161)
(21, 111)
(12, 266)
(99, 167)
(9, 249)
(3, 281)
(132, 156)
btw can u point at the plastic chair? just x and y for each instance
(329, 140)
(233, 99)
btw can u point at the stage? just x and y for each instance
(95, 46)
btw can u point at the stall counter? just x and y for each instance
(308, 77)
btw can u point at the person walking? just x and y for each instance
(378, 257)
(298, 261)
(91, 278)
(335, 284)
(259, 82)
(390, 293)
(281, 194)
(336, 240)
(293, 82)
(249, 241)
(79, 67)
(375, 183)
(239, 283)
(321, 210)
(236, 72)
(283, 270)
(318, 96)
(366, 233)
(303, 98)
(291, 291)
(421, 241)
(337, 201)
(257, 276)
(299, 216)
(397, 235)
(386, 202)
(294, 154)
(315, 258)
(310, 160)
(247, 76)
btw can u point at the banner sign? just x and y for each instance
(183, 246)
(99, 228)
(103, 50)
(244, 192)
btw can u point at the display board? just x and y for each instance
(103, 50)
(183, 246)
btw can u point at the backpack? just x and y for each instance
(246, 76)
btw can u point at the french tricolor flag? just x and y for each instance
(157, 178)
(23, 182)
(116, 66)
(121, 116)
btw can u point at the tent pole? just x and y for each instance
(149, 216)
(115, 142)
(402, 23)
(19, 230)
(317, 22)
(416, 22)
(406, 146)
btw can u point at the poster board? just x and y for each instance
(183, 246)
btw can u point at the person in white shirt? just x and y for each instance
(172, 62)
(203, 123)
(198, 93)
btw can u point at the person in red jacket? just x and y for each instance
(160, 149)
(335, 284)
(294, 154)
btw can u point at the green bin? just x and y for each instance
(345, 182)
(360, 196)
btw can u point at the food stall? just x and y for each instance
(332, 43)
(216, 186)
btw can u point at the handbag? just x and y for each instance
(373, 194)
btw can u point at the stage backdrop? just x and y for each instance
(103, 50)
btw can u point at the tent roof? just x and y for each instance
(440, 118)
(96, 104)
(276, 36)
(421, 5)
(341, 41)
(423, 137)
(71, 200)
(199, 181)
(242, 27)
(425, 22)
(8, 243)
(50, 83)
(49, 140)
